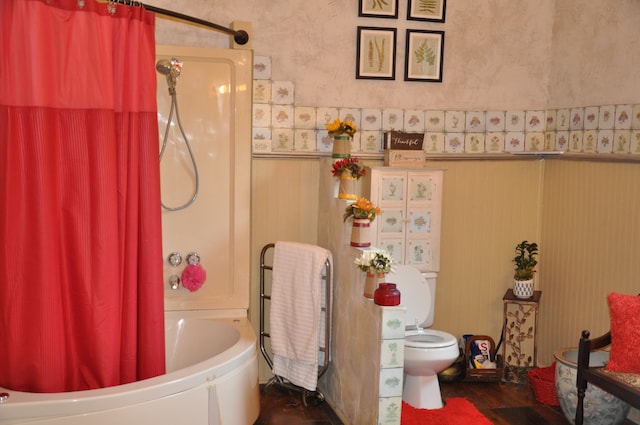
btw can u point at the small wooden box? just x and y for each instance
(404, 158)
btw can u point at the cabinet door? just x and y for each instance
(392, 188)
(409, 225)
(424, 187)
(420, 238)
(394, 246)
(424, 196)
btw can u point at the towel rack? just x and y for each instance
(324, 349)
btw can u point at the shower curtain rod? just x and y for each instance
(241, 37)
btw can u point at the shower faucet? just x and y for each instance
(175, 259)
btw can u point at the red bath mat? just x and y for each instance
(456, 411)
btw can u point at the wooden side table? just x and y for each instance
(520, 336)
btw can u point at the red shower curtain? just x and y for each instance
(81, 296)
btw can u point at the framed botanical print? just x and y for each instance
(426, 10)
(423, 60)
(376, 53)
(379, 8)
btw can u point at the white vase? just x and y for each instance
(360, 236)
(523, 288)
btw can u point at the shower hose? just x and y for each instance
(174, 108)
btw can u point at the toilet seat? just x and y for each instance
(429, 338)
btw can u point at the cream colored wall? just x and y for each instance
(284, 206)
(590, 246)
(488, 207)
(583, 215)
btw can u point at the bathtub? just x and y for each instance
(211, 379)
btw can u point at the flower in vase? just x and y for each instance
(362, 208)
(375, 261)
(351, 164)
(338, 127)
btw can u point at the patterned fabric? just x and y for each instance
(629, 379)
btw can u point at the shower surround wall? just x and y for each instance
(214, 103)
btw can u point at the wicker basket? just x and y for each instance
(543, 380)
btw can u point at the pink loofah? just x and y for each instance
(193, 277)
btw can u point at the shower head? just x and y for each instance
(163, 67)
(171, 69)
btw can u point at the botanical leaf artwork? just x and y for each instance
(375, 54)
(382, 4)
(428, 6)
(425, 54)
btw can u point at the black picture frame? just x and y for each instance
(426, 10)
(378, 9)
(424, 55)
(376, 53)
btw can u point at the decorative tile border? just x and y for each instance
(596, 130)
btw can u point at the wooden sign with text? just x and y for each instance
(396, 140)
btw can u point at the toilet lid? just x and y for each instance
(429, 338)
(415, 294)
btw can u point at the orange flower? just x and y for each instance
(362, 208)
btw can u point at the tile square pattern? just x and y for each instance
(279, 126)
(391, 365)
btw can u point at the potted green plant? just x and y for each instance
(525, 268)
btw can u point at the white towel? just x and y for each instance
(296, 298)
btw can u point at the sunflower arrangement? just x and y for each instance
(362, 208)
(340, 127)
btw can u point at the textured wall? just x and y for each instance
(496, 53)
(595, 55)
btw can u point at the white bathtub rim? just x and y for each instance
(23, 405)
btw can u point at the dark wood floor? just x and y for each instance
(502, 403)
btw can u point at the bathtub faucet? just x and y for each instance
(174, 281)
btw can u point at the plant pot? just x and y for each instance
(523, 289)
(372, 282)
(341, 146)
(360, 236)
(347, 188)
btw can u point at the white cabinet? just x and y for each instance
(409, 224)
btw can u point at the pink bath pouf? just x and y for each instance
(193, 277)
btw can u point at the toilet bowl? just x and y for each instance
(427, 352)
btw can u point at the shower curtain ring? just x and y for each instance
(111, 7)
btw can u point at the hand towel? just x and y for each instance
(295, 312)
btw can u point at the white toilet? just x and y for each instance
(427, 352)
